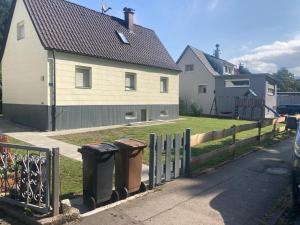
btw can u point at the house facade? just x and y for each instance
(197, 81)
(65, 66)
(248, 86)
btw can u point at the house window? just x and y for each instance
(83, 77)
(164, 83)
(20, 31)
(130, 116)
(202, 89)
(237, 83)
(164, 113)
(271, 91)
(130, 82)
(122, 37)
(189, 67)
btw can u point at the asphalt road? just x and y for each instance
(241, 192)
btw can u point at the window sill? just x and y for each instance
(83, 87)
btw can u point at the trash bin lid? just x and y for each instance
(99, 148)
(130, 143)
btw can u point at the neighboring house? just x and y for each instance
(254, 86)
(197, 81)
(65, 66)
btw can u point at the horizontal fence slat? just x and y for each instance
(266, 123)
(246, 127)
(24, 147)
(201, 138)
(209, 155)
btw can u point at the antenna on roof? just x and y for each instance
(217, 52)
(104, 7)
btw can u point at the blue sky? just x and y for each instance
(263, 34)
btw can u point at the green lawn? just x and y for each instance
(71, 170)
(197, 124)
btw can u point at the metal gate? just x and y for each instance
(26, 173)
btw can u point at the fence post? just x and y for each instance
(234, 134)
(55, 181)
(152, 161)
(259, 125)
(274, 127)
(188, 153)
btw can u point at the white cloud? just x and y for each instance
(213, 4)
(269, 58)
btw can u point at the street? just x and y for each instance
(240, 192)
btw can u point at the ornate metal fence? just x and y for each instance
(26, 174)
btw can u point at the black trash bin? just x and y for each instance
(98, 166)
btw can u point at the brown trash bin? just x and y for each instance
(128, 171)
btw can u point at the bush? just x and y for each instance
(195, 110)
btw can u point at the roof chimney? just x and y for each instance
(217, 51)
(129, 18)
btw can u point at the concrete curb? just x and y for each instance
(113, 205)
(19, 214)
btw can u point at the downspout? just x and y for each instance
(53, 107)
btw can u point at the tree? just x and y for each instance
(286, 81)
(4, 15)
(242, 69)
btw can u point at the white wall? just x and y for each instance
(24, 64)
(108, 83)
(189, 82)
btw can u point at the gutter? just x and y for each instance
(53, 107)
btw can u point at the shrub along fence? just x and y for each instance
(171, 157)
(29, 177)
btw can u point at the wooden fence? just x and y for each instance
(169, 157)
(198, 139)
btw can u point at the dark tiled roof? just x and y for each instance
(67, 27)
(217, 63)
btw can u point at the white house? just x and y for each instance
(197, 81)
(66, 66)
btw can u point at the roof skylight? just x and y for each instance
(122, 37)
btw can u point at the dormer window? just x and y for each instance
(122, 37)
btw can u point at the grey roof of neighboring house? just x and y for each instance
(212, 64)
(71, 28)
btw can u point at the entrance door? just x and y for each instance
(144, 115)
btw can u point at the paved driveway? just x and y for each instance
(239, 193)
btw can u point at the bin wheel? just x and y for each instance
(123, 193)
(143, 187)
(91, 203)
(115, 196)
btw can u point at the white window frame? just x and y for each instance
(90, 77)
(202, 85)
(134, 75)
(189, 68)
(131, 117)
(164, 113)
(167, 84)
(237, 86)
(20, 26)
